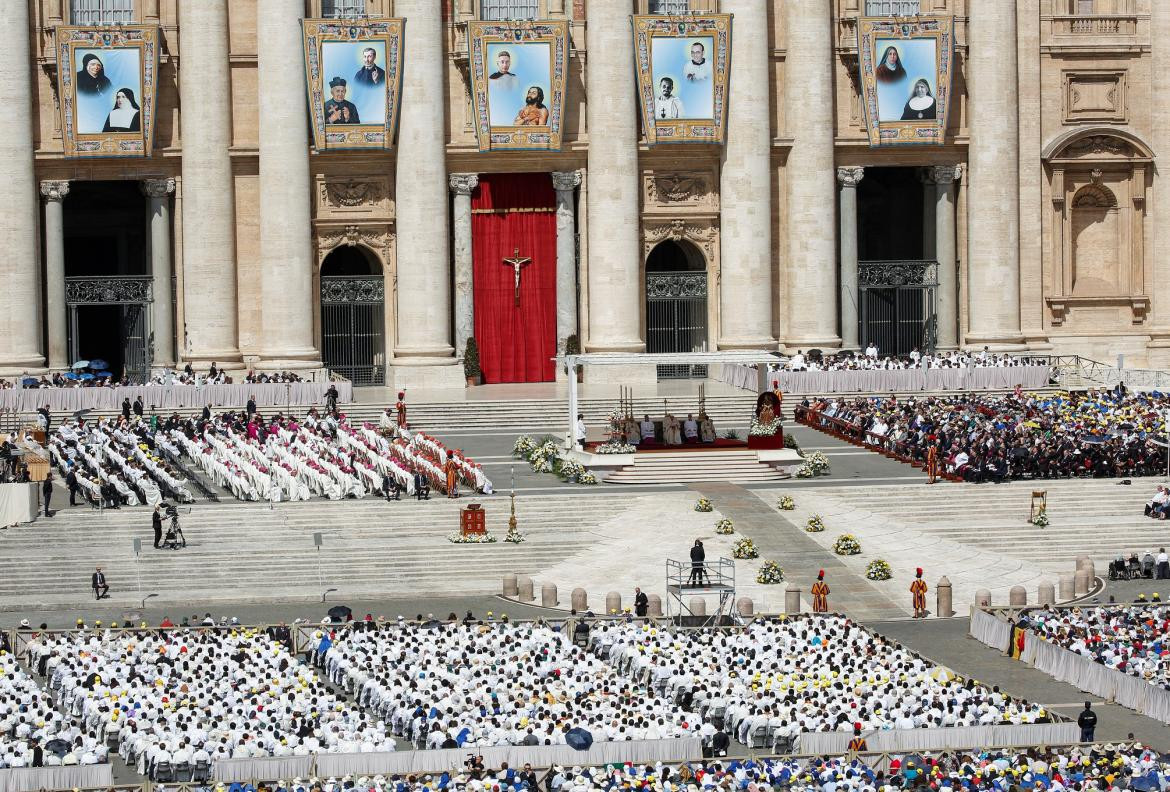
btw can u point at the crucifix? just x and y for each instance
(516, 263)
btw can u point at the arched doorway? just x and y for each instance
(352, 322)
(676, 304)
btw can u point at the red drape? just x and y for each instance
(516, 343)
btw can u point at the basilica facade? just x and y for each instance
(1037, 220)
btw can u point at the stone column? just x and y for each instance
(849, 178)
(462, 184)
(745, 187)
(162, 310)
(565, 183)
(423, 249)
(54, 193)
(946, 300)
(20, 332)
(286, 248)
(812, 248)
(210, 312)
(993, 191)
(1159, 285)
(615, 250)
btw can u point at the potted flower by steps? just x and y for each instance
(471, 368)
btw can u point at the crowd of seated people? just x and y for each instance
(1148, 566)
(1158, 506)
(996, 438)
(1129, 638)
(870, 360)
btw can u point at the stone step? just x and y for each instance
(687, 466)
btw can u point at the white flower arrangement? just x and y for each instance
(523, 446)
(724, 527)
(744, 548)
(569, 469)
(770, 573)
(846, 544)
(758, 429)
(615, 447)
(587, 479)
(1040, 520)
(484, 538)
(703, 505)
(805, 471)
(815, 524)
(546, 457)
(513, 536)
(818, 462)
(878, 569)
(787, 503)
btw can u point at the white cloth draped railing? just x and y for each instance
(990, 629)
(892, 380)
(31, 779)
(1064, 665)
(18, 503)
(262, 768)
(171, 397)
(901, 740)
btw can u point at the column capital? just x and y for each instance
(850, 176)
(566, 180)
(463, 183)
(54, 190)
(946, 174)
(157, 188)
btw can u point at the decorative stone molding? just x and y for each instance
(352, 192)
(463, 183)
(691, 187)
(1098, 144)
(157, 188)
(850, 176)
(701, 233)
(1095, 95)
(54, 190)
(946, 174)
(566, 180)
(378, 238)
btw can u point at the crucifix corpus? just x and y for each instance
(517, 262)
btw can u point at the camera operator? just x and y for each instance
(156, 521)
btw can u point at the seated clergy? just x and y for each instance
(706, 428)
(647, 429)
(671, 433)
(691, 429)
(633, 433)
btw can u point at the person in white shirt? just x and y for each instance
(698, 68)
(871, 351)
(691, 429)
(646, 427)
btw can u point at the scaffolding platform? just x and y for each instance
(684, 579)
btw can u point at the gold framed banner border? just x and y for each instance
(480, 35)
(906, 133)
(646, 27)
(318, 33)
(144, 38)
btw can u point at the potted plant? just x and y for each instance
(573, 347)
(471, 368)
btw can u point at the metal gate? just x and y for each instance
(352, 327)
(676, 318)
(133, 295)
(897, 305)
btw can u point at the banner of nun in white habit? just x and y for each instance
(906, 69)
(106, 85)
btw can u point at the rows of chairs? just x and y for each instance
(181, 773)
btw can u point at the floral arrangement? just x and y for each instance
(703, 505)
(787, 503)
(1040, 520)
(587, 478)
(818, 462)
(744, 548)
(545, 457)
(615, 447)
(724, 527)
(815, 524)
(523, 447)
(514, 536)
(568, 469)
(483, 538)
(790, 442)
(846, 544)
(764, 429)
(878, 569)
(770, 573)
(805, 471)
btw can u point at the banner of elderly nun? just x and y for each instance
(106, 85)
(683, 66)
(353, 72)
(906, 67)
(518, 77)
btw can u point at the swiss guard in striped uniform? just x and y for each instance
(857, 744)
(918, 594)
(820, 594)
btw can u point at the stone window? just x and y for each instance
(669, 6)
(343, 9)
(500, 10)
(1083, 7)
(901, 8)
(101, 12)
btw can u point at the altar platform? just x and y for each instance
(729, 461)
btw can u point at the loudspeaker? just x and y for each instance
(317, 539)
(137, 546)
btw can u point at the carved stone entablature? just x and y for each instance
(675, 189)
(1098, 144)
(344, 196)
(702, 233)
(378, 237)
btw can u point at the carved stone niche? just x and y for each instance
(378, 237)
(682, 188)
(702, 233)
(354, 196)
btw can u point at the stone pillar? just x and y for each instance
(926, 176)
(161, 269)
(1046, 593)
(653, 605)
(210, 313)
(812, 248)
(993, 191)
(1065, 589)
(792, 600)
(849, 178)
(946, 300)
(983, 598)
(745, 187)
(1017, 597)
(54, 193)
(566, 183)
(697, 606)
(511, 588)
(524, 589)
(613, 602)
(286, 248)
(20, 329)
(1081, 583)
(548, 595)
(1159, 286)
(615, 250)
(579, 600)
(744, 606)
(943, 598)
(424, 256)
(462, 185)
